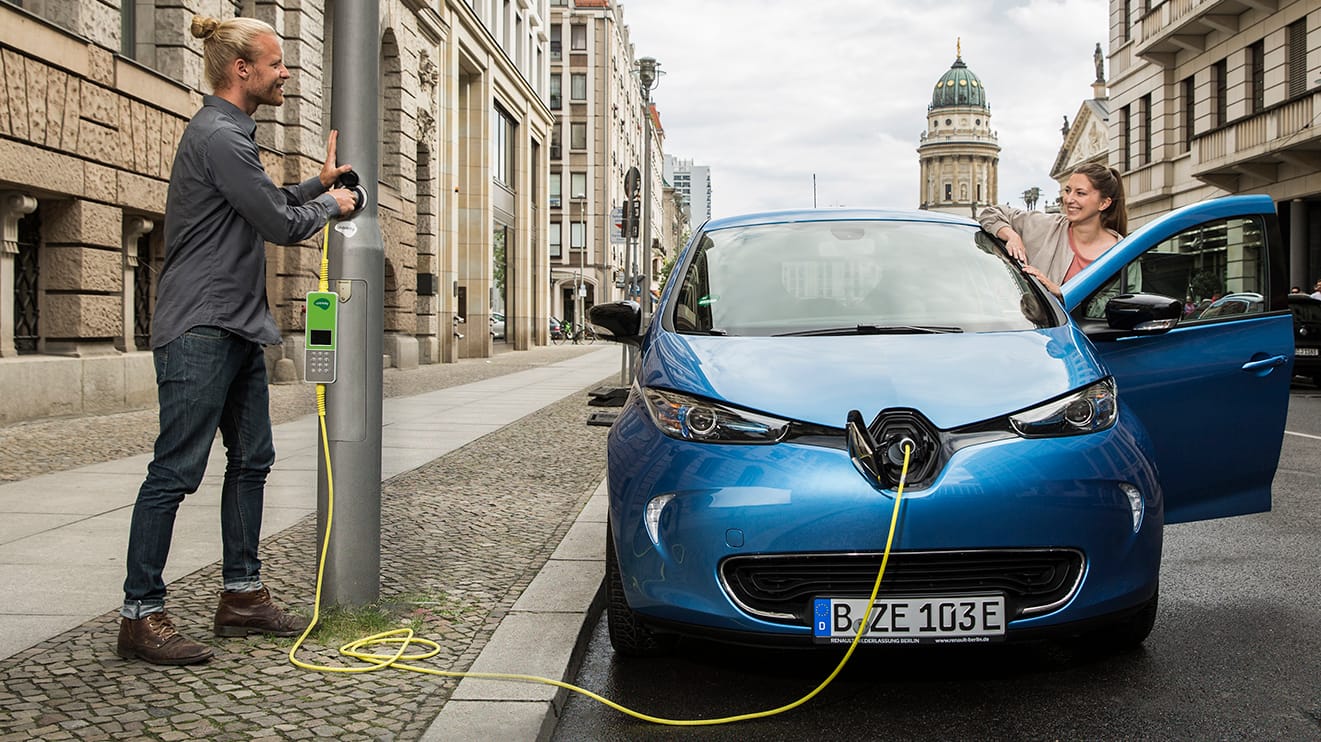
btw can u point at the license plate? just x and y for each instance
(1304, 351)
(947, 620)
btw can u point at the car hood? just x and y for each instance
(952, 379)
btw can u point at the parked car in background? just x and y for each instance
(556, 329)
(1306, 336)
(497, 325)
(796, 358)
(1240, 303)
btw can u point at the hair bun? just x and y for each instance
(204, 27)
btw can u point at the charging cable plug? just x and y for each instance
(899, 449)
(350, 180)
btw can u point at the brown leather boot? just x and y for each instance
(243, 614)
(154, 639)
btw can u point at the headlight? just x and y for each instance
(693, 419)
(1085, 411)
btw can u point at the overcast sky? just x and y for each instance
(769, 92)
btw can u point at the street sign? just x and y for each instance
(617, 226)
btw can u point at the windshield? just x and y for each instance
(837, 277)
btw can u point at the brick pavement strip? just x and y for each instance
(468, 531)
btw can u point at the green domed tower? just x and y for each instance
(959, 154)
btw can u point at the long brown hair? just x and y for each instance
(225, 41)
(1108, 183)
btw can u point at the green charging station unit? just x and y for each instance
(321, 339)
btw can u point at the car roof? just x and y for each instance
(835, 215)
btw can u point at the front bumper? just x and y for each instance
(727, 504)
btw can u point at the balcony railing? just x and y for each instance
(1255, 146)
(1182, 25)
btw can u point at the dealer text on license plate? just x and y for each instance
(947, 620)
(1304, 351)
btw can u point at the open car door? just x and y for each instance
(1213, 391)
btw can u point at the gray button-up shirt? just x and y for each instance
(220, 209)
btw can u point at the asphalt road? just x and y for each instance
(1235, 654)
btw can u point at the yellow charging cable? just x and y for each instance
(404, 638)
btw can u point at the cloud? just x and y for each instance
(769, 93)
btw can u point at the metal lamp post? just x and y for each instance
(649, 74)
(578, 319)
(357, 274)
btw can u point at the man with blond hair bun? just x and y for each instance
(211, 320)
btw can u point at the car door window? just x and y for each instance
(1217, 268)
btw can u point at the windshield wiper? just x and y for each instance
(710, 331)
(875, 330)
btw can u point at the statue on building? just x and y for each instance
(1098, 59)
(1065, 128)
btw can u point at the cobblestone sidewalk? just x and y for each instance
(461, 539)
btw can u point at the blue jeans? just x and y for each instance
(207, 379)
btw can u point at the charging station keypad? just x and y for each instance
(320, 366)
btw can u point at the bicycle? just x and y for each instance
(576, 335)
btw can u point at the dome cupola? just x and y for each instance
(958, 87)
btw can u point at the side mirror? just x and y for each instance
(620, 321)
(1142, 314)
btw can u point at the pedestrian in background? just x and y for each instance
(211, 321)
(1055, 247)
(1316, 289)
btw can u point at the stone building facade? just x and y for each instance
(1210, 99)
(601, 134)
(94, 95)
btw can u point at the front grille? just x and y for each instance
(781, 588)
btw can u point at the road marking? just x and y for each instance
(1303, 435)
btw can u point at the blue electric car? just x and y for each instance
(795, 356)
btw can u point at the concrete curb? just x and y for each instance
(544, 634)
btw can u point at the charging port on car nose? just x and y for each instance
(894, 430)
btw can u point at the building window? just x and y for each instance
(142, 293)
(1144, 130)
(578, 86)
(1219, 88)
(556, 237)
(577, 236)
(1126, 137)
(949, 191)
(578, 135)
(26, 276)
(1127, 22)
(128, 31)
(556, 80)
(1296, 43)
(1188, 91)
(578, 185)
(578, 37)
(1256, 77)
(556, 190)
(503, 140)
(556, 43)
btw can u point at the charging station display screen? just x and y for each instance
(321, 319)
